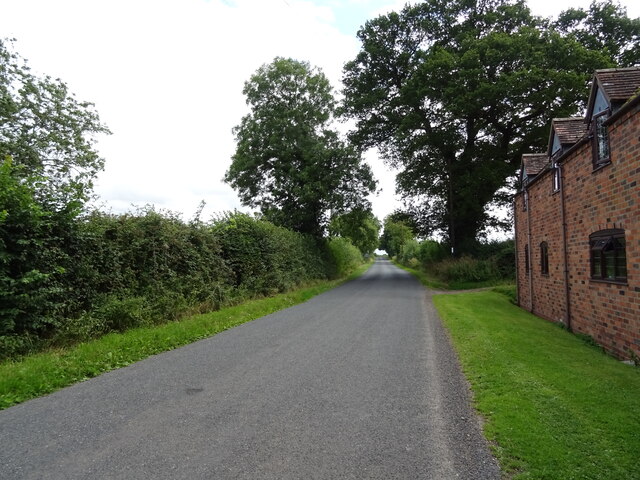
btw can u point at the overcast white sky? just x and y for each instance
(166, 76)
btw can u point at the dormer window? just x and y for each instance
(600, 140)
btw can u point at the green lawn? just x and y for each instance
(43, 373)
(555, 407)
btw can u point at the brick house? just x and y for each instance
(577, 218)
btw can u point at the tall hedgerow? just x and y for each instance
(344, 256)
(265, 258)
(65, 279)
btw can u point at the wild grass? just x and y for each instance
(427, 279)
(42, 373)
(555, 407)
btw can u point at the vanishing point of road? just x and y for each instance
(359, 382)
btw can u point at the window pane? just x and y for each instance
(602, 140)
(621, 267)
(610, 263)
(608, 256)
(544, 259)
(621, 258)
(596, 264)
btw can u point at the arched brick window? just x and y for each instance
(608, 255)
(544, 258)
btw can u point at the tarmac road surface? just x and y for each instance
(359, 382)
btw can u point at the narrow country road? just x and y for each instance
(359, 382)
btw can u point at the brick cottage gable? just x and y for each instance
(577, 218)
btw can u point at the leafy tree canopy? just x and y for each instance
(452, 92)
(288, 161)
(395, 235)
(49, 134)
(360, 226)
(604, 26)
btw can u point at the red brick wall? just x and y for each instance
(598, 200)
(544, 214)
(594, 200)
(521, 222)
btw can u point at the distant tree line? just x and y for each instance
(489, 263)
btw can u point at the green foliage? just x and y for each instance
(168, 265)
(360, 226)
(466, 269)
(493, 262)
(453, 92)
(408, 254)
(394, 236)
(32, 259)
(288, 162)
(501, 253)
(48, 132)
(344, 256)
(554, 407)
(265, 258)
(431, 252)
(606, 27)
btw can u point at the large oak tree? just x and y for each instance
(289, 162)
(452, 92)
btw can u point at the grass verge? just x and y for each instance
(555, 407)
(426, 279)
(46, 372)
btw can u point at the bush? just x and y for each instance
(494, 261)
(264, 258)
(32, 256)
(466, 269)
(344, 256)
(408, 251)
(431, 251)
(12, 346)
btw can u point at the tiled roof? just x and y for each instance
(534, 163)
(619, 83)
(569, 130)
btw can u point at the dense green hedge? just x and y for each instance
(345, 257)
(66, 278)
(491, 262)
(267, 259)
